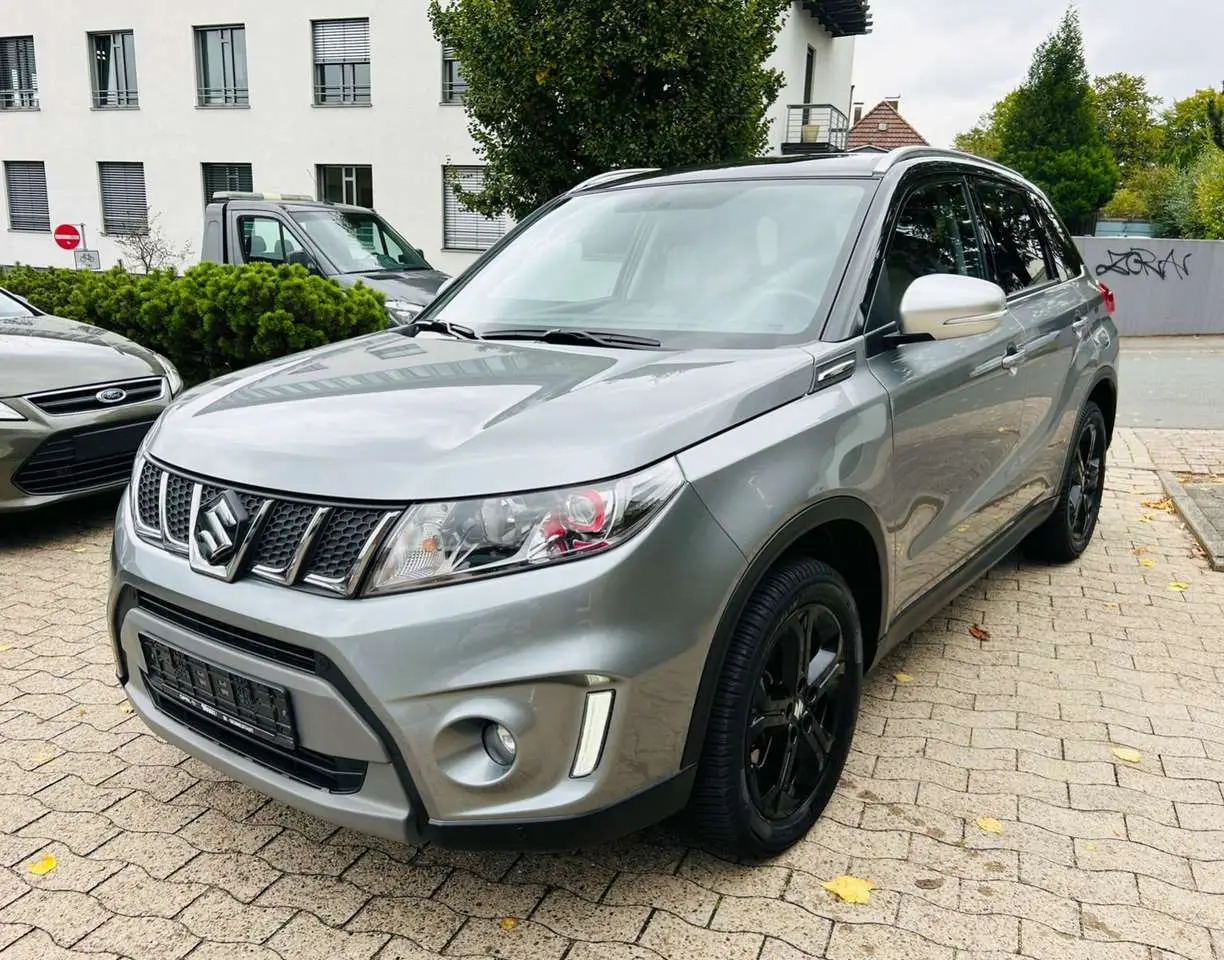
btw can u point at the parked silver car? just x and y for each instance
(617, 525)
(75, 403)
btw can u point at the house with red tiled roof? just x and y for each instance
(882, 129)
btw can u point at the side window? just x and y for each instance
(1063, 251)
(265, 240)
(934, 233)
(1015, 236)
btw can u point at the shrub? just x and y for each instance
(213, 319)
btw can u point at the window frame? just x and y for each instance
(1007, 184)
(107, 230)
(16, 98)
(350, 88)
(1058, 235)
(283, 229)
(505, 222)
(234, 97)
(920, 180)
(356, 168)
(10, 167)
(453, 86)
(125, 97)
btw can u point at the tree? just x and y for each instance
(560, 90)
(1052, 135)
(151, 249)
(1127, 118)
(986, 139)
(1189, 127)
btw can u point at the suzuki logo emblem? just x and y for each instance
(221, 527)
(111, 395)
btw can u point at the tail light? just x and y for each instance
(1110, 304)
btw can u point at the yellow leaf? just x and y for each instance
(850, 889)
(43, 757)
(1179, 585)
(989, 825)
(78, 549)
(903, 678)
(508, 923)
(1129, 754)
(1146, 518)
(5, 646)
(1164, 503)
(1147, 562)
(82, 712)
(1139, 551)
(44, 864)
(125, 707)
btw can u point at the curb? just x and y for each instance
(1211, 539)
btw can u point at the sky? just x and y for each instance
(950, 60)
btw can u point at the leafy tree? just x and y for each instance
(1189, 127)
(1052, 135)
(1209, 194)
(560, 90)
(986, 139)
(1129, 124)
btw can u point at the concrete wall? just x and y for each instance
(1163, 287)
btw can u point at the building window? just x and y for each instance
(125, 208)
(453, 84)
(221, 67)
(342, 61)
(113, 62)
(462, 229)
(26, 182)
(352, 185)
(226, 176)
(18, 74)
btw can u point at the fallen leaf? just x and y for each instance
(1129, 754)
(125, 707)
(1146, 562)
(850, 889)
(989, 825)
(44, 864)
(903, 678)
(1164, 503)
(78, 549)
(5, 646)
(1140, 551)
(82, 712)
(43, 757)
(1179, 585)
(508, 923)
(978, 633)
(1197, 552)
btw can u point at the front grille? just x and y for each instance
(85, 399)
(85, 459)
(342, 539)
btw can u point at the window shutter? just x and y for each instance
(226, 176)
(342, 41)
(125, 207)
(465, 229)
(27, 195)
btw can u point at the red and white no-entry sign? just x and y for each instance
(67, 236)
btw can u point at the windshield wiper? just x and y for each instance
(565, 335)
(456, 330)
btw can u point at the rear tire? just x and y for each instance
(783, 715)
(1066, 533)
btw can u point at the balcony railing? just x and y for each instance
(815, 128)
(18, 98)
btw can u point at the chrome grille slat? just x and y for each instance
(83, 399)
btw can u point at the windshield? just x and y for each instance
(12, 308)
(734, 263)
(358, 242)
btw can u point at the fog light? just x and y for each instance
(499, 743)
(595, 715)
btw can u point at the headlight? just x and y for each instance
(402, 311)
(8, 413)
(460, 539)
(173, 379)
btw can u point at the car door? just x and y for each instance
(956, 404)
(1050, 306)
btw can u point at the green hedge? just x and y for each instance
(212, 319)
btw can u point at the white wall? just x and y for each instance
(406, 135)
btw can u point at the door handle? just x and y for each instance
(1012, 360)
(1081, 326)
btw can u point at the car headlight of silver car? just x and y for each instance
(402, 311)
(173, 380)
(460, 539)
(8, 413)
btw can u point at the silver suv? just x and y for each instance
(616, 526)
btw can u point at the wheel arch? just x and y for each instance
(1104, 393)
(808, 533)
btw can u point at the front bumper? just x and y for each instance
(405, 683)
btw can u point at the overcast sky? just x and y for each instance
(950, 60)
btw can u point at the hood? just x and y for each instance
(391, 418)
(42, 353)
(414, 286)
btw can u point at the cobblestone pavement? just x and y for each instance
(1093, 856)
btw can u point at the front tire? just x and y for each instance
(1067, 532)
(783, 715)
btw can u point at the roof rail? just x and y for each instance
(247, 195)
(611, 176)
(901, 154)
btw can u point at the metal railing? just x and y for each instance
(815, 128)
(18, 98)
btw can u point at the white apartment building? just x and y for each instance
(113, 112)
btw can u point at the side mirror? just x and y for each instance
(303, 259)
(946, 306)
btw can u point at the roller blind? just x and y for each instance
(463, 229)
(341, 41)
(125, 207)
(26, 182)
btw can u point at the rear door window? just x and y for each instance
(1063, 251)
(1015, 237)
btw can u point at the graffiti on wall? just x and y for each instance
(1141, 262)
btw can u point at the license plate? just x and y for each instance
(257, 709)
